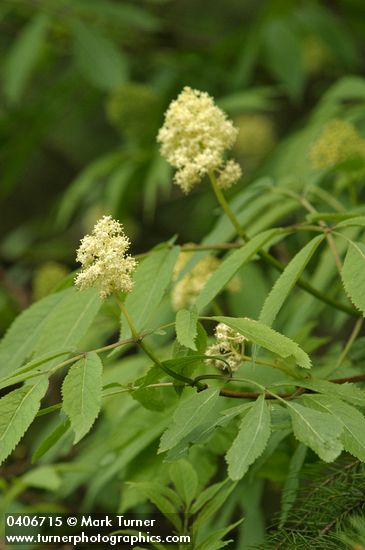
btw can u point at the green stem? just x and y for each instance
(271, 260)
(227, 209)
(147, 350)
(349, 343)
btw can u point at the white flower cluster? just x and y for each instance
(102, 255)
(229, 174)
(229, 344)
(194, 137)
(339, 141)
(189, 286)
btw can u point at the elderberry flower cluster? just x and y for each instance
(102, 255)
(194, 137)
(229, 344)
(339, 142)
(189, 286)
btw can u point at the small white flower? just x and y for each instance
(229, 344)
(225, 334)
(102, 255)
(194, 136)
(229, 174)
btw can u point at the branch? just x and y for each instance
(291, 395)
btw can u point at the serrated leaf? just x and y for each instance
(151, 280)
(22, 336)
(287, 280)
(100, 61)
(251, 440)
(353, 435)
(69, 321)
(190, 412)
(185, 479)
(347, 392)
(268, 338)
(24, 55)
(82, 392)
(319, 431)
(56, 323)
(353, 274)
(17, 411)
(186, 327)
(230, 265)
(30, 369)
(291, 484)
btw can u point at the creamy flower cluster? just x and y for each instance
(339, 142)
(229, 344)
(194, 137)
(190, 285)
(105, 264)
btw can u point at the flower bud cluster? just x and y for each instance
(338, 142)
(105, 264)
(229, 344)
(194, 137)
(190, 285)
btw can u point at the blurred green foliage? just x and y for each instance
(84, 85)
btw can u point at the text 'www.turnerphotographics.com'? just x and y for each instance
(82, 530)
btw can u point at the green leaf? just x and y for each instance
(347, 392)
(44, 477)
(23, 56)
(69, 321)
(332, 31)
(190, 412)
(353, 422)
(29, 370)
(151, 280)
(17, 411)
(251, 440)
(50, 440)
(126, 14)
(353, 274)
(287, 280)
(186, 327)
(162, 497)
(56, 323)
(283, 55)
(81, 394)
(214, 540)
(100, 61)
(291, 484)
(230, 265)
(207, 495)
(267, 338)
(19, 341)
(353, 221)
(214, 504)
(319, 431)
(93, 175)
(185, 479)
